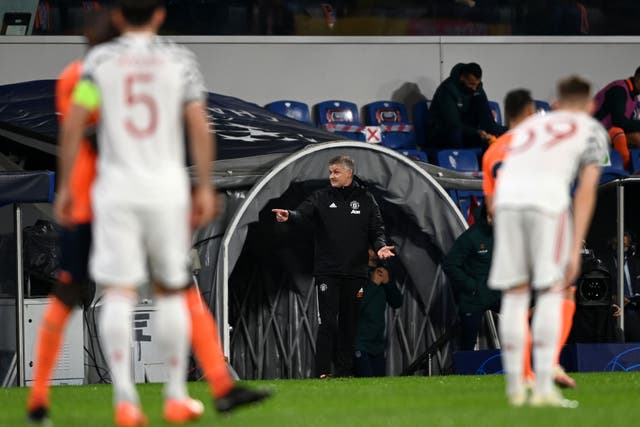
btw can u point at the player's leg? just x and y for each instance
(167, 238)
(551, 252)
(509, 273)
(208, 350)
(206, 344)
(118, 264)
(66, 294)
(568, 310)
(620, 144)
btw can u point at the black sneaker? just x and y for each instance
(39, 415)
(239, 396)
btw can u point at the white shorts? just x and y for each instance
(531, 247)
(129, 239)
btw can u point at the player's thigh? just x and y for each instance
(549, 245)
(168, 241)
(509, 264)
(117, 254)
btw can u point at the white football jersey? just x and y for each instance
(144, 83)
(545, 157)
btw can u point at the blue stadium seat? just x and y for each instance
(340, 117)
(420, 116)
(616, 170)
(635, 160)
(495, 110)
(292, 109)
(541, 106)
(397, 132)
(458, 160)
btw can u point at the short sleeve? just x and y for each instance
(192, 77)
(597, 147)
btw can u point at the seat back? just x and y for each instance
(420, 116)
(495, 111)
(635, 160)
(616, 159)
(542, 107)
(292, 109)
(458, 160)
(337, 112)
(385, 113)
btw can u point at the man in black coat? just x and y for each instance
(346, 221)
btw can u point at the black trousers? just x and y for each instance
(338, 309)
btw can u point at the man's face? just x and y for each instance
(626, 243)
(471, 82)
(340, 176)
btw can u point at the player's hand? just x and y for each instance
(386, 252)
(485, 136)
(573, 268)
(62, 207)
(282, 215)
(380, 276)
(204, 206)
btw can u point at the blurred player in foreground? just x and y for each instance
(518, 106)
(539, 234)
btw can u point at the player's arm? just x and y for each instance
(202, 150)
(584, 200)
(488, 180)
(86, 98)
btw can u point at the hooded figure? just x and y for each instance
(459, 115)
(467, 265)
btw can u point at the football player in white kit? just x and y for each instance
(146, 89)
(539, 231)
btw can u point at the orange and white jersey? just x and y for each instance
(492, 162)
(141, 83)
(545, 156)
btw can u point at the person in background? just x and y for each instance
(371, 341)
(631, 300)
(346, 221)
(615, 108)
(459, 116)
(467, 265)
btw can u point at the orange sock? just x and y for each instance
(206, 345)
(568, 310)
(619, 141)
(528, 370)
(48, 345)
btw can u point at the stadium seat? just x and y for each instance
(340, 117)
(616, 170)
(495, 110)
(541, 106)
(458, 160)
(397, 132)
(420, 112)
(635, 160)
(292, 109)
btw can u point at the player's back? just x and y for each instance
(144, 83)
(544, 157)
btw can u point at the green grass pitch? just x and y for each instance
(606, 400)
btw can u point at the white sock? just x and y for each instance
(546, 330)
(116, 335)
(513, 329)
(173, 332)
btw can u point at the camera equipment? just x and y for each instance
(594, 285)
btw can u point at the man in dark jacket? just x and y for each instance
(371, 341)
(467, 265)
(459, 116)
(615, 107)
(347, 221)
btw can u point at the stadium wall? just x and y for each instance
(358, 69)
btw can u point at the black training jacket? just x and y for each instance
(346, 222)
